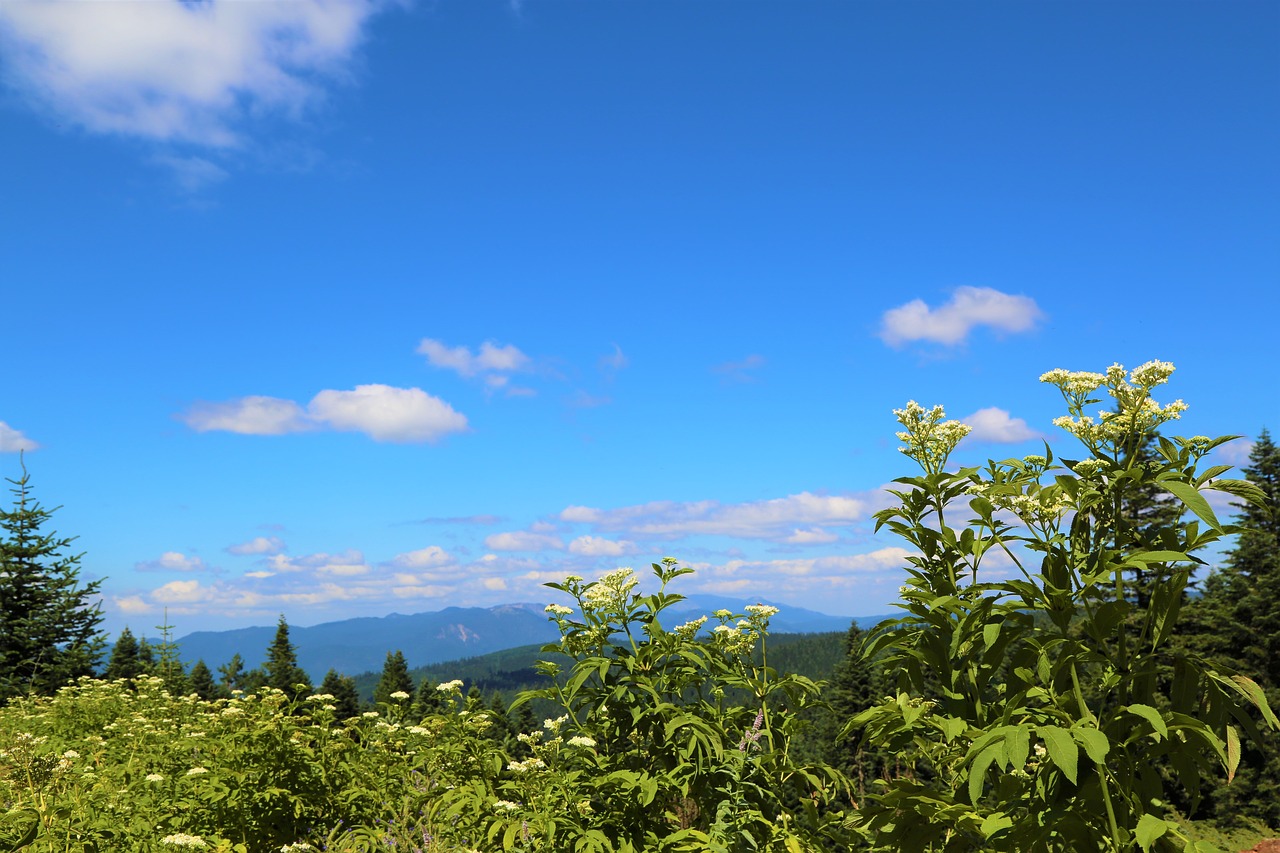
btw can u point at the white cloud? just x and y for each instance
(12, 440)
(173, 561)
(775, 519)
(1232, 453)
(131, 604)
(258, 545)
(249, 416)
(596, 546)
(491, 358)
(522, 540)
(841, 571)
(385, 413)
(951, 323)
(812, 536)
(740, 371)
(995, 425)
(172, 71)
(192, 174)
(382, 412)
(423, 558)
(179, 592)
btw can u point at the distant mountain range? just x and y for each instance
(354, 646)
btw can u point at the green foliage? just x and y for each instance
(124, 661)
(343, 690)
(49, 620)
(991, 671)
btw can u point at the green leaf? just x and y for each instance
(1095, 743)
(995, 822)
(1152, 716)
(1062, 749)
(1194, 501)
(1246, 489)
(1233, 753)
(1148, 830)
(978, 772)
(952, 727)
(990, 633)
(1162, 557)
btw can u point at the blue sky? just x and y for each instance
(343, 308)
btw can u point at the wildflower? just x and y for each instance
(399, 695)
(181, 839)
(761, 611)
(582, 740)
(506, 806)
(751, 739)
(558, 610)
(296, 847)
(370, 715)
(723, 614)
(197, 771)
(929, 439)
(689, 630)
(553, 726)
(528, 764)
(456, 684)
(70, 753)
(155, 777)
(419, 730)
(321, 697)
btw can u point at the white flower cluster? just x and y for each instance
(761, 611)
(582, 741)
(690, 629)
(553, 726)
(611, 591)
(181, 839)
(155, 777)
(296, 847)
(506, 806)
(399, 695)
(447, 686)
(558, 610)
(928, 438)
(197, 771)
(1136, 412)
(527, 765)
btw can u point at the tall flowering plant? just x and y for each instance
(1025, 688)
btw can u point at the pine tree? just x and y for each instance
(281, 668)
(146, 657)
(124, 661)
(855, 685)
(395, 679)
(343, 690)
(169, 668)
(1236, 624)
(49, 620)
(202, 683)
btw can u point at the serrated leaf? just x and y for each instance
(990, 633)
(1095, 743)
(1062, 749)
(1246, 489)
(1148, 830)
(1152, 716)
(952, 727)
(1162, 557)
(1233, 753)
(1193, 500)
(1017, 746)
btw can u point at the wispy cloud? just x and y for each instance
(794, 519)
(598, 546)
(841, 571)
(12, 440)
(382, 412)
(950, 324)
(490, 358)
(523, 540)
(179, 72)
(613, 362)
(995, 425)
(258, 545)
(740, 371)
(172, 561)
(462, 519)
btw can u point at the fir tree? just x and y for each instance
(146, 657)
(395, 679)
(1236, 624)
(124, 662)
(281, 669)
(855, 685)
(428, 701)
(202, 683)
(49, 620)
(343, 690)
(232, 673)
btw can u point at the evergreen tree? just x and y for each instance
(124, 661)
(343, 690)
(1236, 624)
(281, 669)
(395, 679)
(202, 683)
(232, 673)
(146, 657)
(1147, 513)
(169, 667)
(428, 701)
(856, 685)
(49, 620)
(501, 730)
